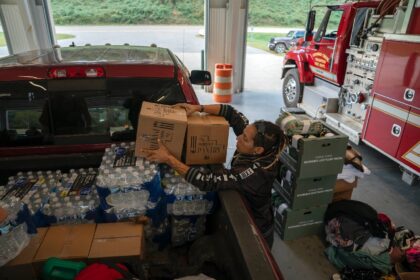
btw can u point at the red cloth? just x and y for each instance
(99, 271)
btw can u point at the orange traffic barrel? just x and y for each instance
(222, 89)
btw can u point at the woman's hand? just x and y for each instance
(161, 155)
(189, 108)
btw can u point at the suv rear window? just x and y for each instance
(78, 111)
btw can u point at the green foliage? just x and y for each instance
(261, 12)
(128, 12)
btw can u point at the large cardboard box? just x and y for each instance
(21, 266)
(158, 121)
(71, 242)
(117, 242)
(207, 139)
(343, 189)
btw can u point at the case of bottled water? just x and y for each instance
(185, 199)
(13, 237)
(68, 197)
(128, 186)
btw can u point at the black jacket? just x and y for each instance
(248, 175)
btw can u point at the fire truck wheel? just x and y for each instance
(292, 88)
(280, 48)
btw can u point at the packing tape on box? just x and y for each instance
(295, 140)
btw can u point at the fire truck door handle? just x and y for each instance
(396, 130)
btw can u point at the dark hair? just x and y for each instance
(269, 136)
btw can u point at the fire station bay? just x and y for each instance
(210, 139)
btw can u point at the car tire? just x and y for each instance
(292, 88)
(280, 48)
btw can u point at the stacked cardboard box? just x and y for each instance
(343, 189)
(196, 139)
(114, 242)
(306, 182)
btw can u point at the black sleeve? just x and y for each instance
(208, 180)
(236, 119)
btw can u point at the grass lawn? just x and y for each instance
(260, 40)
(59, 37)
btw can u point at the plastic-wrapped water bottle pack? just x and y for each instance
(73, 195)
(123, 181)
(65, 196)
(184, 198)
(13, 237)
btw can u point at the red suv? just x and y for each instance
(70, 103)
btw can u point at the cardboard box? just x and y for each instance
(405, 274)
(207, 139)
(71, 242)
(21, 266)
(117, 242)
(157, 121)
(343, 190)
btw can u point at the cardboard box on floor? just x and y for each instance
(158, 121)
(117, 242)
(70, 242)
(21, 266)
(343, 189)
(207, 139)
(405, 274)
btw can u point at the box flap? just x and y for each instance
(113, 230)
(67, 242)
(115, 247)
(161, 111)
(205, 119)
(27, 255)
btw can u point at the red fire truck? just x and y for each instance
(360, 71)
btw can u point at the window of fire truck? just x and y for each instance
(329, 25)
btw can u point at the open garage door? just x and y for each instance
(27, 24)
(226, 25)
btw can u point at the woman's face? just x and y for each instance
(245, 141)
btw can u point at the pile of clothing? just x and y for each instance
(365, 244)
(359, 237)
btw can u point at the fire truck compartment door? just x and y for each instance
(386, 124)
(399, 72)
(409, 149)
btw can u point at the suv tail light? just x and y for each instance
(76, 72)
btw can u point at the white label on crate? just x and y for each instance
(312, 193)
(306, 224)
(322, 160)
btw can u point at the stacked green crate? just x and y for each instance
(306, 182)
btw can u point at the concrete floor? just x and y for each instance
(383, 189)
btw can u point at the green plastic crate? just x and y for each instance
(304, 192)
(58, 269)
(291, 224)
(316, 157)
